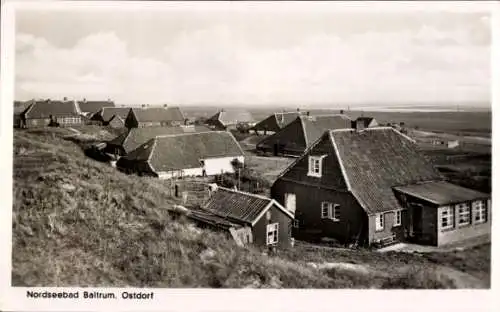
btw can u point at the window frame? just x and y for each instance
(272, 230)
(379, 222)
(450, 217)
(480, 210)
(296, 223)
(332, 211)
(464, 213)
(312, 162)
(398, 221)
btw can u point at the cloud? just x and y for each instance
(219, 65)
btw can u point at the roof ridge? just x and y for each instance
(188, 133)
(244, 193)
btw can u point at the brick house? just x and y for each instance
(293, 139)
(154, 117)
(249, 218)
(184, 155)
(373, 186)
(46, 112)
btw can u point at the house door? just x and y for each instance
(290, 202)
(275, 149)
(416, 220)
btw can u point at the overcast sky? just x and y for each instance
(229, 56)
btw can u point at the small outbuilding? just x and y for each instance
(106, 114)
(229, 118)
(250, 218)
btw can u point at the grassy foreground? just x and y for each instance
(78, 222)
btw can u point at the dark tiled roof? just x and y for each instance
(277, 121)
(237, 205)
(130, 140)
(231, 116)
(94, 106)
(158, 114)
(315, 126)
(206, 217)
(183, 151)
(21, 106)
(441, 192)
(108, 112)
(377, 159)
(44, 109)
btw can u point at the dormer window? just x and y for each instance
(315, 166)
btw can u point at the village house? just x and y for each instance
(294, 139)
(226, 119)
(130, 139)
(276, 122)
(372, 186)
(248, 218)
(183, 155)
(19, 108)
(42, 113)
(108, 115)
(154, 116)
(89, 108)
(364, 122)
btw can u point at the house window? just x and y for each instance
(379, 222)
(397, 218)
(479, 211)
(295, 223)
(463, 214)
(330, 211)
(315, 165)
(272, 233)
(447, 217)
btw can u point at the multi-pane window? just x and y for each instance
(272, 233)
(330, 211)
(397, 218)
(463, 214)
(379, 222)
(314, 166)
(447, 217)
(479, 211)
(296, 223)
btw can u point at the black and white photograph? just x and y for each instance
(245, 145)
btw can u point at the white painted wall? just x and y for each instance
(191, 172)
(215, 166)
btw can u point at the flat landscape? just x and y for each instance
(73, 225)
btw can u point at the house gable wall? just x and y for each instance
(284, 228)
(309, 198)
(131, 120)
(291, 140)
(268, 124)
(217, 165)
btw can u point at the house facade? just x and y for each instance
(297, 136)
(253, 219)
(154, 117)
(49, 112)
(184, 155)
(364, 187)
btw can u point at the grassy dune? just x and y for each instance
(78, 222)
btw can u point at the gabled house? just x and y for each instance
(116, 122)
(130, 139)
(250, 218)
(228, 119)
(293, 139)
(183, 155)
(373, 186)
(106, 114)
(364, 122)
(89, 108)
(19, 108)
(154, 116)
(276, 122)
(47, 112)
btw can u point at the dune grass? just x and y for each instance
(79, 222)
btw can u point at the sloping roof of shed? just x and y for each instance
(441, 192)
(375, 160)
(229, 116)
(108, 112)
(44, 109)
(315, 126)
(239, 205)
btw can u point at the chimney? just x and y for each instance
(165, 105)
(143, 105)
(308, 113)
(298, 110)
(186, 121)
(65, 99)
(341, 112)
